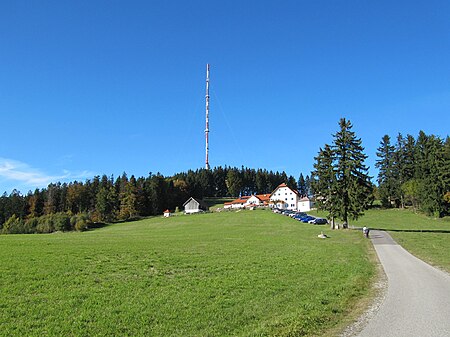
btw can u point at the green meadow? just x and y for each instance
(425, 237)
(249, 273)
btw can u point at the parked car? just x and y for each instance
(308, 218)
(319, 221)
(300, 216)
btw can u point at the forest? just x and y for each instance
(415, 172)
(78, 205)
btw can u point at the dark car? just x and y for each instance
(319, 221)
(300, 216)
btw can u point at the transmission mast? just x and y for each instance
(207, 118)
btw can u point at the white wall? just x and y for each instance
(289, 197)
(253, 200)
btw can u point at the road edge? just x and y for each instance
(372, 303)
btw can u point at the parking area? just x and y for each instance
(301, 216)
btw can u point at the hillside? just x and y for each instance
(246, 273)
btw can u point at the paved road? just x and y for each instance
(417, 301)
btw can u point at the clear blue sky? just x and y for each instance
(102, 87)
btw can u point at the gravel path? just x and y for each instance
(417, 301)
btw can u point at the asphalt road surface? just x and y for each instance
(417, 301)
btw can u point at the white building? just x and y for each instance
(194, 206)
(283, 197)
(258, 200)
(305, 204)
(248, 201)
(239, 203)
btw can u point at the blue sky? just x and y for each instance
(102, 87)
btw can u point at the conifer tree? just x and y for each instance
(388, 182)
(353, 185)
(301, 186)
(340, 180)
(309, 189)
(323, 182)
(404, 164)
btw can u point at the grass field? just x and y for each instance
(425, 237)
(251, 273)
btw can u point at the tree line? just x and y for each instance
(75, 205)
(415, 172)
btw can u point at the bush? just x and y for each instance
(80, 222)
(45, 224)
(13, 225)
(61, 222)
(30, 225)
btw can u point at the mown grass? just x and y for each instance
(251, 273)
(425, 237)
(215, 203)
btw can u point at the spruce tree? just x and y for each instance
(388, 182)
(404, 164)
(301, 186)
(323, 182)
(353, 186)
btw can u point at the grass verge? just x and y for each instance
(425, 237)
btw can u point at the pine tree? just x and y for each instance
(353, 186)
(106, 200)
(389, 187)
(445, 175)
(291, 183)
(301, 186)
(430, 173)
(323, 182)
(36, 204)
(308, 186)
(128, 200)
(234, 182)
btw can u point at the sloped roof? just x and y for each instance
(263, 197)
(201, 203)
(166, 211)
(281, 186)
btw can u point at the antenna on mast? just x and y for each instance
(207, 118)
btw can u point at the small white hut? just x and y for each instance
(305, 204)
(167, 213)
(193, 205)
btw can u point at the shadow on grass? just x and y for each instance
(97, 225)
(441, 231)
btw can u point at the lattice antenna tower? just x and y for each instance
(207, 119)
